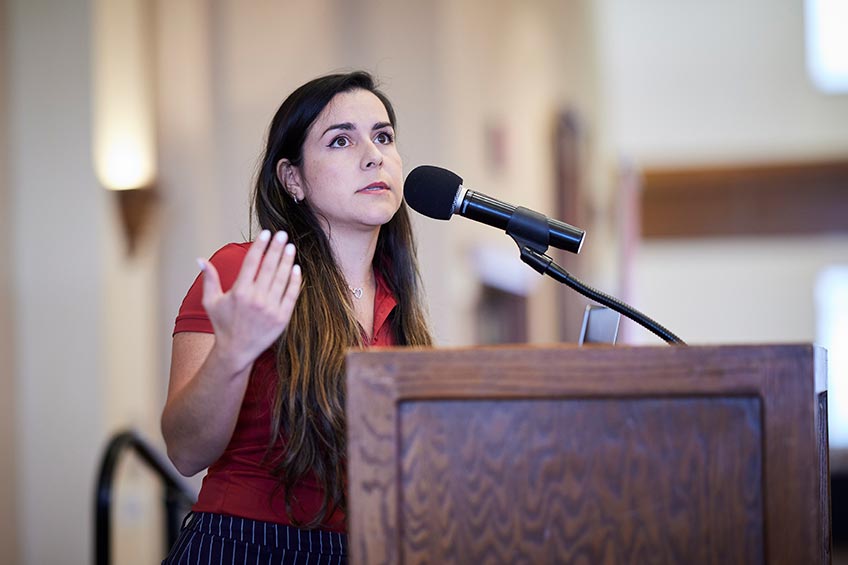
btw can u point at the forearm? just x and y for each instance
(199, 419)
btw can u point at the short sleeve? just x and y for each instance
(192, 316)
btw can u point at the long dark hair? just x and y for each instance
(308, 425)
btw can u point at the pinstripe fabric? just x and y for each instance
(208, 539)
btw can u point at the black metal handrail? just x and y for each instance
(177, 496)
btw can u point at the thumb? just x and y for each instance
(211, 281)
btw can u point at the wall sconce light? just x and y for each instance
(124, 110)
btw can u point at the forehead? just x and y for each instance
(359, 107)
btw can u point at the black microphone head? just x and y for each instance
(431, 191)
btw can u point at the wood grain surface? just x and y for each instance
(587, 455)
(603, 481)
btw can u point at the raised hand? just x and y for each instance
(250, 316)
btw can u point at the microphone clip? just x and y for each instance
(529, 229)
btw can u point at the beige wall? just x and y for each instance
(57, 279)
(8, 475)
(699, 82)
(746, 291)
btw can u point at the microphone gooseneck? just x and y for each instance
(543, 264)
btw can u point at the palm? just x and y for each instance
(251, 315)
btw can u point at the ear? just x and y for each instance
(289, 177)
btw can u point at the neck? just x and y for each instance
(354, 253)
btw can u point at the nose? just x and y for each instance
(372, 156)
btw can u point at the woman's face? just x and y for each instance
(351, 174)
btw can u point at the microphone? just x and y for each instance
(438, 193)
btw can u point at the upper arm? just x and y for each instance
(188, 353)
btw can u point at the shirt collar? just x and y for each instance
(384, 303)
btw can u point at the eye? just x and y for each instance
(340, 141)
(384, 138)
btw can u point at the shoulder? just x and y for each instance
(230, 253)
(227, 261)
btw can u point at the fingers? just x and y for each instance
(252, 260)
(271, 261)
(268, 281)
(211, 282)
(282, 274)
(291, 294)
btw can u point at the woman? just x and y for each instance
(256, 390)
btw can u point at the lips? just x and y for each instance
(374, 187)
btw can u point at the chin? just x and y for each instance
(382, 220)
(381, 217)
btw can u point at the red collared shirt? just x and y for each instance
(239, 483)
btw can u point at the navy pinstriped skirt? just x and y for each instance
(207, 539)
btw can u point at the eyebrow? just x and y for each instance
(348, 126)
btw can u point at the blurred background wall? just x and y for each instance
(479, 87)
(8, 482)
(717, 83)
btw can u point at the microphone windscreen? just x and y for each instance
(431, 191)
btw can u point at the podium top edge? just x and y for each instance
(510, 347)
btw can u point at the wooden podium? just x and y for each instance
(589, 455)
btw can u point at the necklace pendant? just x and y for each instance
(357, 292)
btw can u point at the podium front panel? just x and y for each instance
(602, 455)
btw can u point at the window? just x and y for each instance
(827, 44)
(832, 319)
